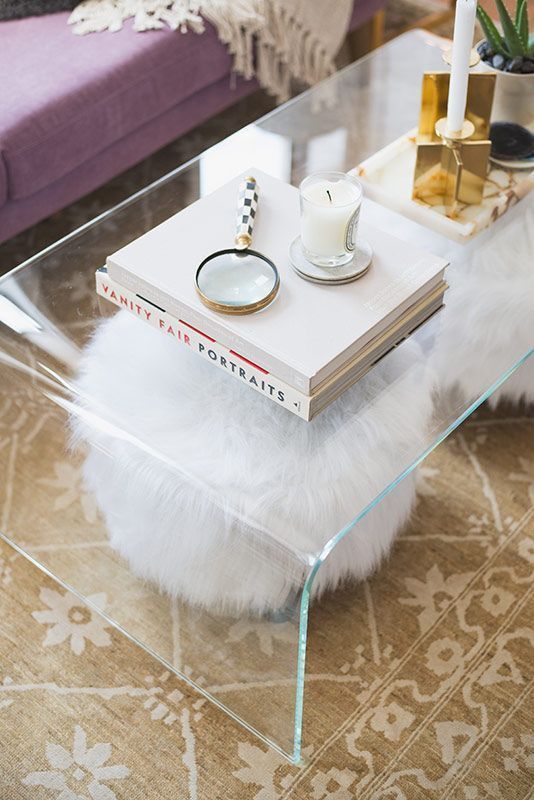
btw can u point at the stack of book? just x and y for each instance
(313, 342)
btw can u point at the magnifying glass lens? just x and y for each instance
(236, 279)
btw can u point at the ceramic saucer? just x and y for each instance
(346, 273)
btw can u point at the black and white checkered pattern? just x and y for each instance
(247, 204)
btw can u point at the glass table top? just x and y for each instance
(122, 478)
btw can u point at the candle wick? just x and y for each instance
(329, 195)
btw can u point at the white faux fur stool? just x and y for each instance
(490, 304)
(202, 435)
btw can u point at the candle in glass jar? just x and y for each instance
(330, 204)
(464, 25)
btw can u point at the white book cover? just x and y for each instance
(309, 331)
(206, 347)
(249, 374)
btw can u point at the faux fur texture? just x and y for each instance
(491, 306)
(488, 319)
(223, 498)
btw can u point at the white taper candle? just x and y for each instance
(464, 26)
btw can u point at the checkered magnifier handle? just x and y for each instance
(247, 204)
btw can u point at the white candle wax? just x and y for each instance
(327, 208)
(464, 25)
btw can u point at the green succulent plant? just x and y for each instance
(514, 41)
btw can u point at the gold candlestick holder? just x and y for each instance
(451, 167)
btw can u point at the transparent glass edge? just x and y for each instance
(292, 757)
(306, 592)
(448, 430)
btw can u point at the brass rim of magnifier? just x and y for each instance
(251, 307)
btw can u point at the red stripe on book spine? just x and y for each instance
(196, 330)
(252, 364)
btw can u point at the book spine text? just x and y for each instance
(178, 309)
(204, 345)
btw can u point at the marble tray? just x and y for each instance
(387, 177)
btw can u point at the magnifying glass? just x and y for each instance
(239, 280)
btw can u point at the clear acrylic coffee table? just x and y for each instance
(253, 666)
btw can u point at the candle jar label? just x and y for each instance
(350, 233)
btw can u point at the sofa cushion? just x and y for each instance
(69, 97)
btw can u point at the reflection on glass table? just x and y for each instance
(207, 517)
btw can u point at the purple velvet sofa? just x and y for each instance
(76, 111)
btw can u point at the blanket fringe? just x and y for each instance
(285, 50)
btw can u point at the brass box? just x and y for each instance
(450, 172)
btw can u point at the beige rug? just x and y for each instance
(428, 689)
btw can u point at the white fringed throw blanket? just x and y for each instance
(274, 40)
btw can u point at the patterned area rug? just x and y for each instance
(429, 694)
